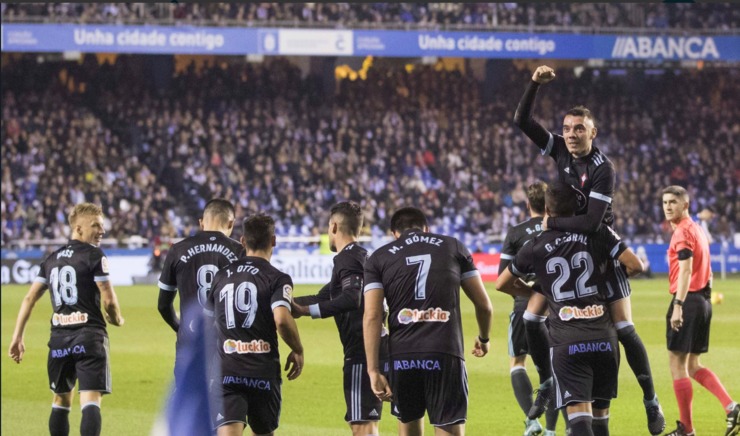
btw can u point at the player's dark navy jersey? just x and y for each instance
(420, 274)
(515, 239)
(570, 270)
(191, 264)
(242, 297)
(592, 176)
(342, 299)
(71, 273)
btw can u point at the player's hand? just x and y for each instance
(116, 322)
(543, 74)
(379, 385)
(17, 348)
(297, 310)
(294, 365)
(480, 349)
(544, 222)
(677, 318)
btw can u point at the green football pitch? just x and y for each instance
(142, 355)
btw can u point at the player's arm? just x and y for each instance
(166, 307)
(300, 304)
(523, 115)
(372, 322)
(685, 268)
(17, 347)
(586, 223)
(508, 251)
(111, 309)
(631, 262)
(510, 284)
(347, 301)
(476, 292)
(288, 330)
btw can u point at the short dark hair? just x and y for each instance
(408, 218)
(221, 209)
(582, 111)
(678, 191)
(351, 214)
(536, 196)
(561, 199)
(258, 231)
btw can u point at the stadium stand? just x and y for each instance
(268, 138)
(565, 17)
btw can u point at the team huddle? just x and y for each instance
(398, 312)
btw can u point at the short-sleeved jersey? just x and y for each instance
(515, 239)
(420, 274)
(242, 297)
(342, 299)
(570, 270)
(191, 264)
(71, 273)
(688, 235)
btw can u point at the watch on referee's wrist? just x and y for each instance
(484, 341)
(678, 302)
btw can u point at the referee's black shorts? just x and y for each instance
(693, 336)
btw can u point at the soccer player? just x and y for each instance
(251, 303)
(583, 166)
(78, 349)
(584, 350)
(191, 264)
(690, 313)
(516, 237)
(420, 274)
(341, 298)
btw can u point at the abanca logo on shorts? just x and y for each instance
(407, 316)
(232, 346)
(569, 312)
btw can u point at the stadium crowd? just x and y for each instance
(428, 15)
(271, 140)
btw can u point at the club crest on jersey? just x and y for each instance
(407, 316)
(569, 312)
(582, 200)
(231, 346)
(583, 179)
(71, 319)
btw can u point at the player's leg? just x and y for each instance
(538, 341)
(411, 428)
(231, 429)
(580, 416)
(91, 423)
(363, 407)
(59, 418)
(93, 371)
(678, 362)
(600, 423)
(263, 406)
(446, 389)
(62, 374)
(637, 357)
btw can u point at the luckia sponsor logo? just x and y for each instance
(569, 312)
(71, 319)
(239, 347)
(407, 316)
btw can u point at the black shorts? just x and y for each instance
(362, 404)
(517, 333)
(433, 382)
(585, 371)
(617, 285)
(693, 336)
(250, 400)
(81, 355)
